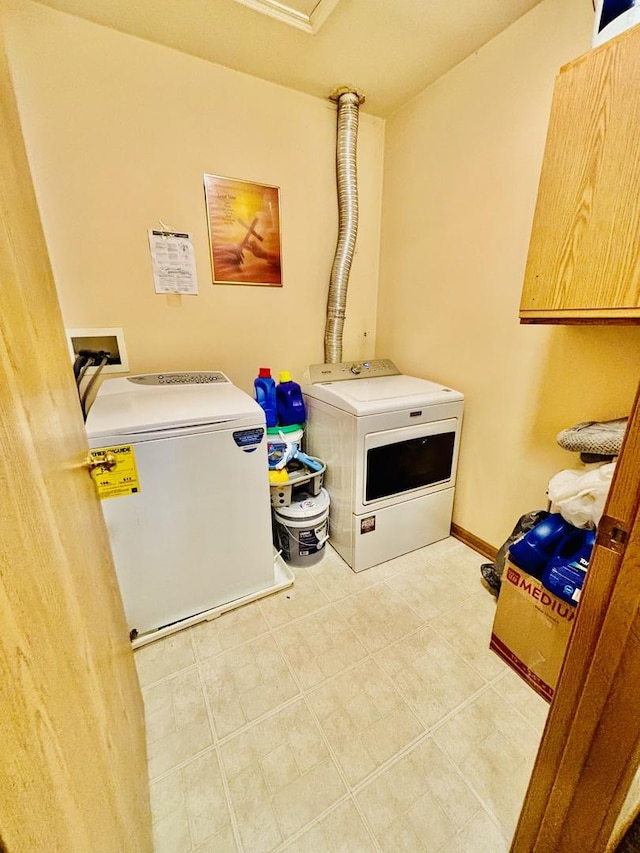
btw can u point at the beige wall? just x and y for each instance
(119, 134)
(120, 131)
(461, 170)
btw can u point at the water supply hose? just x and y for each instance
(348, 101)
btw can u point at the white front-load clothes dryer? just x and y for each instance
(390, 443)
(195, 534)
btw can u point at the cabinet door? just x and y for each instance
(584, 255)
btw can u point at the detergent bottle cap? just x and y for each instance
(285, 376)
(264, 373)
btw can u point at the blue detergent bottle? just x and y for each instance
(565, 572)
(532, 552)
(265, 388)
(289, 402)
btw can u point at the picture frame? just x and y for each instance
(244, 231)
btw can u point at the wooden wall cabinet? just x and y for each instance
(584, 256)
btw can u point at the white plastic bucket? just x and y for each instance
(279, 443)
(303, 528)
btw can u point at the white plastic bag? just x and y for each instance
(579, 495)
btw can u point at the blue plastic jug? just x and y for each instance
(532, 552)
(289, 402)
(265, 388)
(565, 572)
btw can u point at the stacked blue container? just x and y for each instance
(557, 553)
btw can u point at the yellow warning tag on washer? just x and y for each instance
(122, 479)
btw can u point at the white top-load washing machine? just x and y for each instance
(193, 531)
(390, 443)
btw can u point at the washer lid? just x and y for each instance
(382, 394)
(140, 404)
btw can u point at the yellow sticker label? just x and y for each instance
(121, 480)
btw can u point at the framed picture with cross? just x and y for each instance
(244, 231)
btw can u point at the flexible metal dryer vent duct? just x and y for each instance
(348, 101)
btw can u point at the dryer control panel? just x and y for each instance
(352, 370)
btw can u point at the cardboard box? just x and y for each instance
(531, 629)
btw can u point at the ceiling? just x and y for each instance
(388, 49)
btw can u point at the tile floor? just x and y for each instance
(352, 712)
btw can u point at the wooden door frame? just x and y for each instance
(590, 746)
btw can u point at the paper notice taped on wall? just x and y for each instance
(174, 267)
